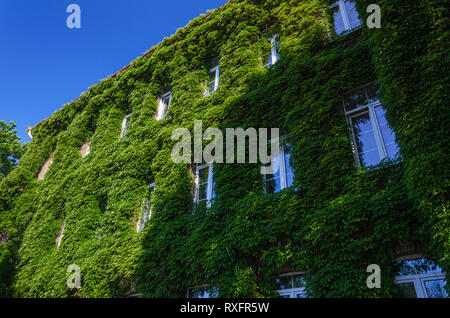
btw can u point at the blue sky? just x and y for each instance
(44, 64)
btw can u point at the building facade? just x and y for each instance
(362, 178)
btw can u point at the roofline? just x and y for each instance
(29, 129)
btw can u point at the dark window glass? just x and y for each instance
(284, 282)
(355, 100)
(407, 290)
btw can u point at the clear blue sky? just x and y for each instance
(44, 64)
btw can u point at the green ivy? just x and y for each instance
(335, 220)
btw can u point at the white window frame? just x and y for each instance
(282, 167)
(162, 106)
(273, 52)
(370, 109)
(147, 214)
(60, 234)
(210, 187)
(419, 281)
(216, 71)
(124, 125)
(292, 292)
(344, 15)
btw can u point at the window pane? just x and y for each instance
(273, 181)
(365, 140)
(301, 295)
(212, 81)
(267, 59)
(203, 175)
(386, 132)
(289, 170)
(273, 186)
(202, 292)
(211, 86)
(125, 125)
(435, 288)
(407, 290)
(284, 282)
(355, 100)
(352, 14)
(372, 93)
(417, 266)
(338, 21)
(202, 191)
(277, 49)
(298, 281)
(213, 194)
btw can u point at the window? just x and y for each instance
(125, 125)
(274, 54)
(85, 149)
(373, 139)
(60, 235)
(163, 107)
(345, 16)
(204, 193)
(213, 81)
(203, 292)
(146, 213)
(284, 177)
(420, 278)
(291, 286)
(45, 168)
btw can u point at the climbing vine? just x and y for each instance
(334, 221)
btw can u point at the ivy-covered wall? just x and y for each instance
(335, 220)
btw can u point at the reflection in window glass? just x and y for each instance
(146, 212)
(284, 282)
(287, 164)
(284, 176)
(365, 140)
(203, 186)
(291, 286)
(203, 292)
(125, 125)
(435, 288)
(352, 14)
(387, 133)
(420, 278)
(339, 26)
(355, 100)
(213, 81)
(345, 16)
(273, 181)
(373, 138)
(205, 192)
(417, 267)
(164, 104)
